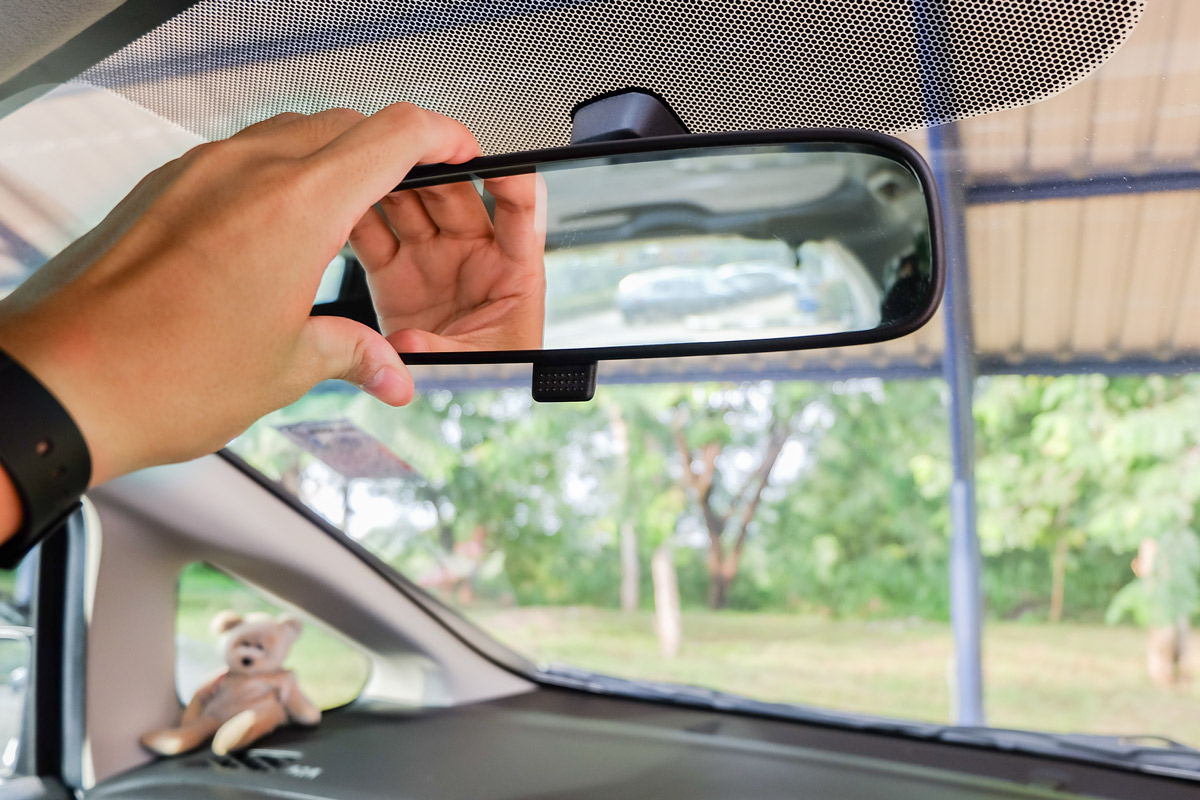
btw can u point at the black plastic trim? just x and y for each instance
(74, 661)
(46, 688)
(631, 90)
(624, 114)
(834, 139)
(92, 45)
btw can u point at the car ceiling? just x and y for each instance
(34, 28)
(512, 69)
(1047, 292)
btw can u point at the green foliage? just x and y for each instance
(1088, 462)
(522, 504)
(1169, 591)
(1017, 583)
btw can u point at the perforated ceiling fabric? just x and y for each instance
(512, 70)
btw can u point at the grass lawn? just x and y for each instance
(1066, 677)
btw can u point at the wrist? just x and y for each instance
(45, 461)
(62, 364)
(10, 507)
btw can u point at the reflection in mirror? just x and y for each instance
(766, 244)
(713, 244)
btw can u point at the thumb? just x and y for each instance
(350, 351)
(411, 340)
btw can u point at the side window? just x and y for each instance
(331, 672)
(16, 651)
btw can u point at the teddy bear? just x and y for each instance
(249, 700)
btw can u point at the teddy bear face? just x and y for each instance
(257, 643)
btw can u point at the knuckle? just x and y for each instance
(201, 152)
(342, 114)
(405, 114)
(338, 116)
(361, 358)
(325, 126)
(210, 158)
(334, 120)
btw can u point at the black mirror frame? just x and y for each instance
(836, 139)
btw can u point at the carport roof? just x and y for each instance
(1080, 215)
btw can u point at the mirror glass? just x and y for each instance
(706, 245)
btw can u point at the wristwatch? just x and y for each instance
(44, 454)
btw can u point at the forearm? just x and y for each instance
(10, 507)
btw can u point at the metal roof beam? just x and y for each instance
(1049, 367)
(1061, 186)
(828, 372)
(966, 563)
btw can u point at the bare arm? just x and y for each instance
(141, 328)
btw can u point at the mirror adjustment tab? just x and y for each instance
(564, 383)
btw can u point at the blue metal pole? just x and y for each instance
(966, 592)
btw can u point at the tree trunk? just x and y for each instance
(715, 564)
(718, 591)
(1058, 579)
(630, 569)
(668, 622)
(1166, 653)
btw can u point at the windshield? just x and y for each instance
(802, 528)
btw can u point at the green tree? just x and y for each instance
(865, 529)
(729, 440)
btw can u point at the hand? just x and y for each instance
(184, 316)
(443, 277)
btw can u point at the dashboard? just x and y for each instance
(555, 743)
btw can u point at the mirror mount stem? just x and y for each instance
(627, 114)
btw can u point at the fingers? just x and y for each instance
(339, 348)
(457, 210)
(370, 158)
(454, 210)
(520, 215)
(406, 214)
(373, 240)
(299, 135)
(411, 340)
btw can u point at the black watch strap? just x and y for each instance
(44, 454)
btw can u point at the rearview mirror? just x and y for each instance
(710, 244)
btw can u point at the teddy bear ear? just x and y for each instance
(290, 624)
(224, 621)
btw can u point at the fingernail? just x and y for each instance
(389, 385)
(377, 381)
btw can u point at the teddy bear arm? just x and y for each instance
(299, 708)
(247, 727)
(200, 700)
(173, 741)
